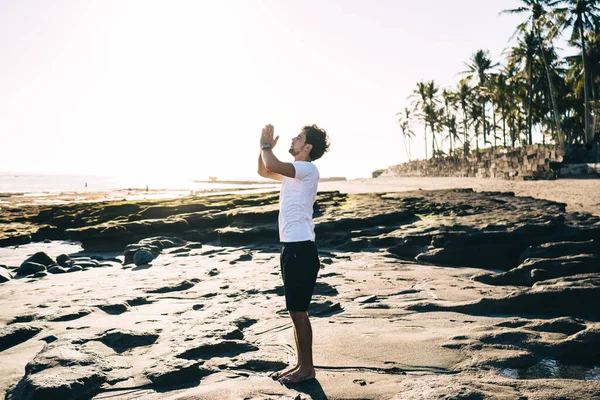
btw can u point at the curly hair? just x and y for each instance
(319, 140)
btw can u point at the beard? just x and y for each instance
(292, 151)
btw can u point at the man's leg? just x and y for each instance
(279, 375)
(303, 333)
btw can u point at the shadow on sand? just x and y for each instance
(311, 387)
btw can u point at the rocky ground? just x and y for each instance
(450, 294)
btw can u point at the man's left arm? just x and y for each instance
(271, 162)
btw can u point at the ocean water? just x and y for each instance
(46, 183)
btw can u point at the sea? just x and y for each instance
(13, 183)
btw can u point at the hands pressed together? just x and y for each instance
(267, 137)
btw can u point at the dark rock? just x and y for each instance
(324, 308)
(324, 289)
(217, 349)
(68, 316)
(355, 244)
(540, 269)
(121, 340)
(139, 301)
(23, 318)
(244, 322)
(539, 275)
(176, 372)
(245, 257)
(134, 248)
(234, 334)
(71, 383)
(174, 288)
(576, 296)
(278, 290)
(565, 325)
(29, 267)
(118, 210)
(197, 307)
(561, 249)
(40, 274)
(375, 219)
(15, 334)
(407, 251)
(85, 264)
(64, 261)
(238, 236)
(486, 257)
(75, 268)
(57, 270)
(47, 233)
(40, 258)
(49, 339)
(15, 240)
(366, 299)
(213, 272)
(115, 309)
(5, 274)
(194, 245)
(142, 257)
(135, 217)
(260, 365)
(180, 250)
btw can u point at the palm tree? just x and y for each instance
(575, 74)
(478, 69)
(405, 122)
(433, 116)
(501, 96)
(463, 95)
(433, 113)
(581, 16)
(538, 18)
(523, 55)
(448, 97)
(419, 106)
(475, 116)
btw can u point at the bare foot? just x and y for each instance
(298, 376)
(280, 374)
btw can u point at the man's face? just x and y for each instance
(298, 144)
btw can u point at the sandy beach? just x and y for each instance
(427, 290)
(581, 195)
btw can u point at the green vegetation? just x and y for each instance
(499, 103)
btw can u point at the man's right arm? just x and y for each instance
(265, 173)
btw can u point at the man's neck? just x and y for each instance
(301, 158)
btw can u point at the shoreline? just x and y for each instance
(580, 195)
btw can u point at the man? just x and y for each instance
(299, 259)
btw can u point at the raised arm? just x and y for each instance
(270, 161)
(265, 173)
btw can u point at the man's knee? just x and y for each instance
(298, 315)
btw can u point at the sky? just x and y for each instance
(184, 88)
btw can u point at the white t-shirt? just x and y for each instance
(296, 201)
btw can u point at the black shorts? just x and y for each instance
(299, 268)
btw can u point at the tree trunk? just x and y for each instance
(559, 134)
(589, 135)
(483, 114)
(432, 141)
(503, 125)
(426, 140)
(494, 123)
(529, 101)
(465, 144)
